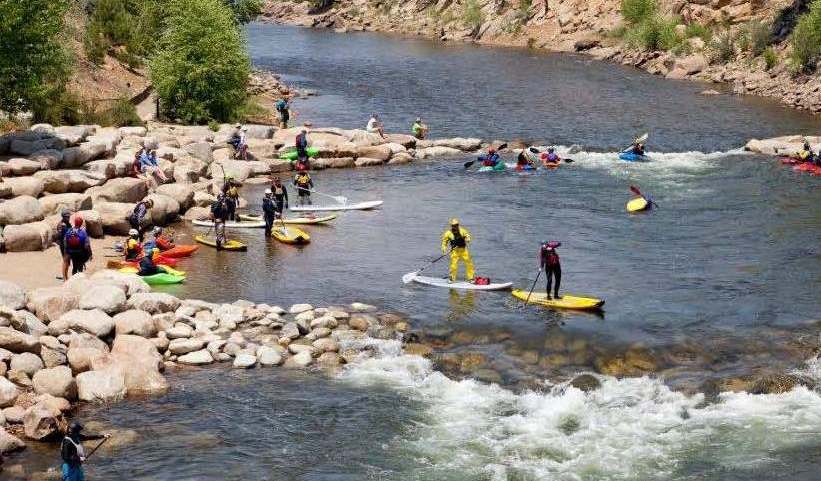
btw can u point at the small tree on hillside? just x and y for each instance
(201, 67)
(33, 64)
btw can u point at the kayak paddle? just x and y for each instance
(339, 199)
(407, 278)
(636, 191)
(97, 447)
(531, 288)
(639, 140)
(471, 162)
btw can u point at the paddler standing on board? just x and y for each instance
(458, 238)
(550, 263)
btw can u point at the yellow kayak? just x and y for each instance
(637, 205)
(290, 235)
(566, 302)
(231, 245)
(166, 269)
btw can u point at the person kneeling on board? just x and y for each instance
(219, 214)
(458, 238)
(304, 184)
(147, 265)
(269, 211)
(549, 262)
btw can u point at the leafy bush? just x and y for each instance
(636, 12)
(247, 10)
(122, 114)
(722, 47)
(201, 67)
(131, 24)
(755, 38)
(698, 30)
(655, 33)
(472, 14)
(770, 58)
(806, 39)
(214, 126)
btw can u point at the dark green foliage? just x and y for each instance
(806, 39)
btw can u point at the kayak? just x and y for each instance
(182, 250)
(160, 261)
(256, 224)
(637, 205)
(304, 220)
(166, 269)
(290, 235)
(524, 168)
(808, 167)
(789, 160)
(331, 208)
(231, 245)
(631, 157)
(566, 302)
(500, 167)
(291, 154)
(464, 285)
(551, 165)
(161, 278)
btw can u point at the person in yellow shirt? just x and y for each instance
(458, 238)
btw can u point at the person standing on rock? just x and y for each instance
(375, 126)
(73, 454)
(420, 130)
(77, 245)
(62, 230)
(550, 263)
(458, 238)
(138, 216)
(280, 196)
(284, 111)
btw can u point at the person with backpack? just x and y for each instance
(77, 245)
(304, 184)
(549, 262)
(280, 196)
(231, 190)
(458, 239)
(138, 216)
(73, 454)
(284, 112)
(62, 230)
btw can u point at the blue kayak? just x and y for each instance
(631, 157)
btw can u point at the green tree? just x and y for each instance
(132, 24)
(33, 63)
(806, 39)
(245, 10)
(201, 66)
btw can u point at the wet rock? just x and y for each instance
(138, 360)
(585, 382)
(8, 392)
(300, 308)
(326, 321)
(154, 303)
(196, 358)
(26, 362)
(300, 360)
(529, 357)
(9, 443)
(100, 386)
(362, 322)
(415, 349)
(16, 341)
(326, 345)
(470, 361)
(268, 356)
(290, 331)
(135, 322)
(330, 359)
(42, 421)
(245, 361)
(488, 375)
(779, 383)
(554, 361)
(57, 381)
(12, 295)
(94, 322)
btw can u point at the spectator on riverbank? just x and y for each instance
(138, 216)
(375, 126)
(62, 230)
(284, 111)
(420, 130)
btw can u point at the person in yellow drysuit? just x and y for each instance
(458, 238)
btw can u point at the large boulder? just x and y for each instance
(438, 151)
(183, 194)
(380, 152)
(26, 362)
(16, 341)
(133, 131)
(690, 65)
(198, 213)
(21, 167)
(26, 322)
(48, 159)
(80, 155)
(32, 144)
(42, 421)
(62, 181)
(56, 381)
(54, 204)
(165, 209)
(255, 131)
(154, 303)
(49, 303)
(130, 284)
(201, 151)
(93, 223)
(73, 135)
(114, 216)
(8, 392)
(459, 143)
(20, 210)
(139, 361)
(184, 346)
(109, 299)
(31, 186)
(94, 322)
(406, 141)
(105, 168)
(101, 386)
(196, 358)
(189, 170)
(35, 236)
(80, 359)
(125, 189)
(239, 170)
(133, 321)
(12, 295)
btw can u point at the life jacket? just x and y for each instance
(133, 250)
(233, 192)
(75, 240)
(279, 190)
(164, 244)
(303, 181)
(551, 257)
(458, 241)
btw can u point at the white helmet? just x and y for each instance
(268, 191)
(133, 232)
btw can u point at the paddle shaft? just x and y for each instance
(338, 198)
(539, 274)
(434, 261)
(96, 448)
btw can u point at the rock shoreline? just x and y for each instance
(105, 337)
(85, 168)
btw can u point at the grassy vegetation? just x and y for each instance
(472, 14)
(636, 12)
(520, 17)
(722, 47)
(806, 39)
(697, 30)
(770, 58)
(755, 37)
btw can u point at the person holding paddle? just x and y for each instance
(550, 263)
(280, 195)
(73, 454)
(458, 238)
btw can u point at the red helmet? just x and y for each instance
(78, 220)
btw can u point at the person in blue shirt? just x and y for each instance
(62, 230)
(147, 265)
(150, 165)
(491, 159)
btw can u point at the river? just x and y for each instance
(720, 280)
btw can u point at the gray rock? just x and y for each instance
(12, 295)
(290, 330)
(84, 153)
(74, 202)
(42, 421)
(303, 359)
(183, 194)
(20, 167)
(245, 361)
(18, 342)
(20, 210)
(9, 443)
(300, 308)
(100, 386)
(197, 358)
(179, 331)
(30, 186)
(73, 181)
(122, 190)
(49, 303)
(56, 381)
(48, 159)
(154, 303)
(95, 322)
(268, 356)
(201, 151)
(27, 363)
(73, 135)
(8, 392)
(326, 345)
(135, 322)
(184, 346)
(109, 299)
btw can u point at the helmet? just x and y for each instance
(76, 427)
(454, 221)
(268, 192)
(65, 213)
(157, 230)
(133, 232)
(78, 220)
(490, 150)
(418, 119)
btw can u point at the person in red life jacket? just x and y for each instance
(162, 241)
(78, 246)
(133, 247)
(491, 159)
(62, 230)
(549, 262)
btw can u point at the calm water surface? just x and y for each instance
(730, 257)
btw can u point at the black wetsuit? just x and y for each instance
(552, 269)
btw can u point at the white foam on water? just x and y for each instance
(634, 428)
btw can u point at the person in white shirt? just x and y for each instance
(375, 126)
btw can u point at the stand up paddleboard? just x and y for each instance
(566, 302)
(463, 285)
(232, 225)
(333, 208)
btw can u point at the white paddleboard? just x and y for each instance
(331, 208)
(231, 225)
(440, 282)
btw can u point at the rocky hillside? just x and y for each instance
(710, 44)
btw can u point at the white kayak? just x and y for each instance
(232, 225)
(440, 282)
(332, 208)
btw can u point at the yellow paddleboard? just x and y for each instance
(637, 205)
(231, 245)
(566, 302)
(290, 235)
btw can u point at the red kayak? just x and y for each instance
(809, 168)
(120, 263)
(180, 251)
(789, 160)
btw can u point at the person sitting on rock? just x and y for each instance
(149, 165)
(375, 126)
(77, 245)
(137, 217)
(137, 165)
(73, 454)
(420, 130)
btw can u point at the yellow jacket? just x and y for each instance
(448, 236)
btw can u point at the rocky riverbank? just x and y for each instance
(105, 337)
(86, 169)
(586, 27)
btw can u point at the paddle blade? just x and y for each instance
(407, 278)
(469, 163)
(568, 161)
(642, 139)
(636, 191)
